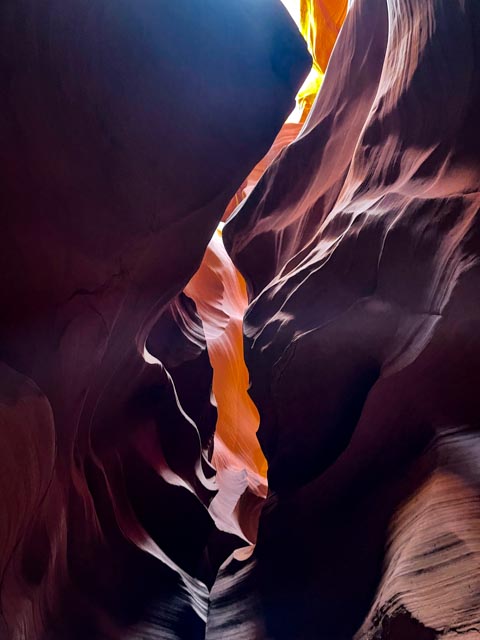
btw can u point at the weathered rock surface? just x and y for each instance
(360, 248)
(126, 129)
(131, 396)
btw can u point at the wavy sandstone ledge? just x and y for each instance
(360, 249)
(126, 129)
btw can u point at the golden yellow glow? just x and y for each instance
(319, 22)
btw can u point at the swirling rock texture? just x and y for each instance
(127, 126)
(221, 298)
(133, 487)
(360, 249)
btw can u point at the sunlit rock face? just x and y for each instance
(220, 295)
(360, 249)
(126, 128)
(320, 24)
(157, 372)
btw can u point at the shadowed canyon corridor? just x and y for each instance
(240, 320)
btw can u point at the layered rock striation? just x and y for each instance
(268, 431)
(126, 129)
(360, 248)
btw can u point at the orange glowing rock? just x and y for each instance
(220, 296)
(219, 290)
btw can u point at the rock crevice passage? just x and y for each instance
(157, 370)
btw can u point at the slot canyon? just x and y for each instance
(240, 320)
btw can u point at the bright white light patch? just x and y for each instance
(293, 7)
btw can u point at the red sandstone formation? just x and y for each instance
(132, 481)
(127, 127)
(360, 250)
(221, 299)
